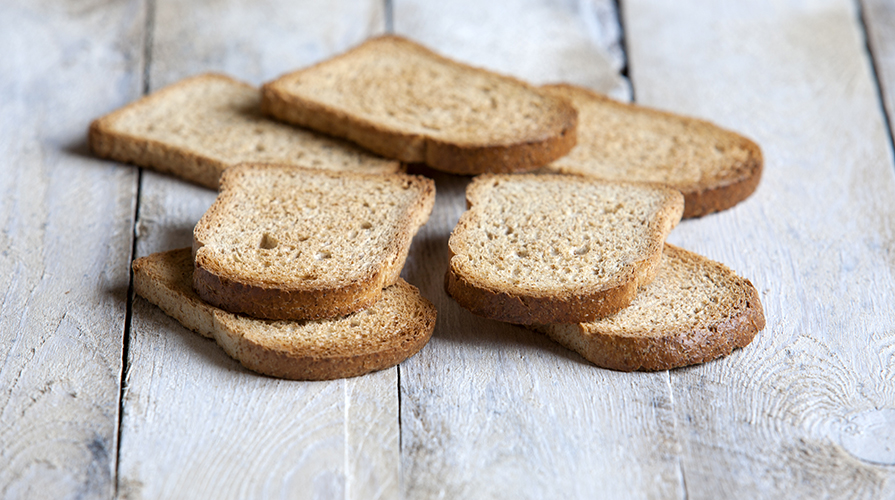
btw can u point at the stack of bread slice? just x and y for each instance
(294, 270)
(584, 260)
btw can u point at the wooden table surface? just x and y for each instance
(102, 395)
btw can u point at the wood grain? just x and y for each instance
(490, 410)
(64, 247)
(196, 423)
(797, 410)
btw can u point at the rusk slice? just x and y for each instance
(556, 248)
(390, 331)
(713, 167)
(198, 127)
(287, 243)
(403, 101)
(694, 311)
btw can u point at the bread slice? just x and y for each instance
(694, 311)
(288, 243)
(390, 331)
(556, 248)
(713, 167)
(198, 127)
(402, 101)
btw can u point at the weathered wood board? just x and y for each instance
(878, 18)
(65, 245)
(808, 407)
(196, 423)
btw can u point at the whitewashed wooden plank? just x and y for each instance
(541, 41)
(196, 424)
(879, 22)
(804, 411)
(490, 410)
(65, 244)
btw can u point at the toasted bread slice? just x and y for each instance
(694, 311)
(390, 331)
(713, 167)
(556, 248)
(198, 127)
(402, 101)
(288, 243)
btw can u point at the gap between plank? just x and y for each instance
(862, 19)
(389, 16)
(129, 308)
(623, 42)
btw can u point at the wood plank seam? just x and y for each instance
(131, 295)
(875, 71)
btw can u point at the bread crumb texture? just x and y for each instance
(545, 234)
(406, 88)
(219, 118)
(302, 229)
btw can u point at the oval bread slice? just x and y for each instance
(403, 101)
(196, 128)
(556, 248)
(390, 331)
(714, 168)
(287, 243)
(694, 311)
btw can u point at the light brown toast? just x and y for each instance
(403, 101)
(556, 248)
(714, 168)
(196, 128)
(390, 331)
(287, 243)
(694, 311)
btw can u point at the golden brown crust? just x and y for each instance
(675, 348)
(231, 290)
(523, 155)
(499, 301)
(712, 193)
(270, 359)
(164, 280)
(492, 303)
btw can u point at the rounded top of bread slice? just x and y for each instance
(533, 247)
(714, 168)
(288, 243)
(208, 122)
(695, 310)
(402, 100)
(389, 331)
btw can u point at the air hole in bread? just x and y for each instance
(355, 323)
(582, 250)
(259, 147)
(268, 242)
(366, 225)
(522, 254)
(323, 255)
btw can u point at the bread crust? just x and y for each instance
(239, 293)
(675, 348)
(164, 280)
(527, 153)
(711, 193)
(586, 303)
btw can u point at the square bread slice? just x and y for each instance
(695, 310)
(557, 248)
(198, 127)
(714, 168)
(281, 242)
(403, 101)
(397, 326)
